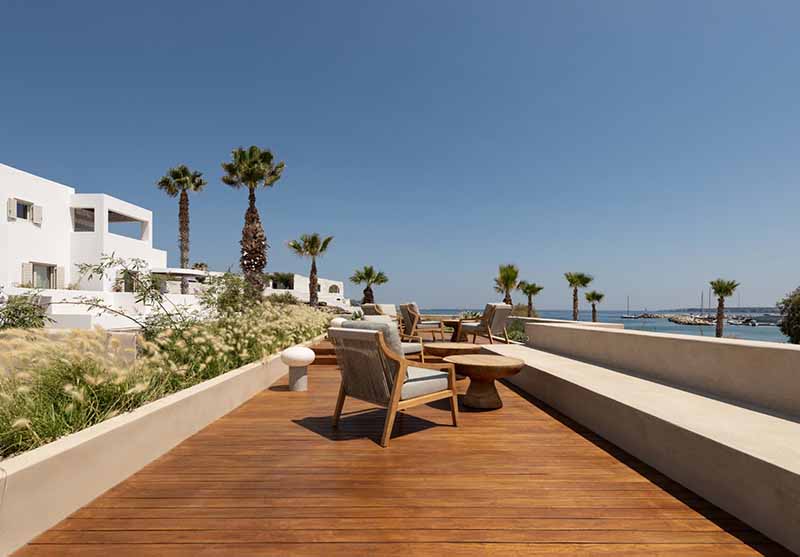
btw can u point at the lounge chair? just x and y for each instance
(373, 370)
(414, 325)
(490, 325)
(411, 344)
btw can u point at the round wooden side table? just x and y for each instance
(444, 349)
(483, 370)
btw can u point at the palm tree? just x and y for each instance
(723, 289)
(594, 297)
(577, 280)
(530, 289)
(369, 276)
(311, 245)
(506, 281)
(252, 168)
(180, 181)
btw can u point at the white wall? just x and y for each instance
(89, 246)
(53, 242)
(65, 309)
(300, 290)
(21, 241)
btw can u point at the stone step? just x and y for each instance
(323, 360)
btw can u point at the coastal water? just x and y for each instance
(765, 333)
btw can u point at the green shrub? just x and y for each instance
(23, 312)
(789, 309)
(284, 298)
(227, 294)
(516, 330)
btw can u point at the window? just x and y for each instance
(333, 289)
(24, 210)
(124, 225)
(83, 220)
(44, 276)
(17, 209)
(128, 282)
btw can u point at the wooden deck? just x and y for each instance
(272, 478)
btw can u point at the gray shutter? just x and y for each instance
(37, 214)
(11, 208)
(27, 274)
(60, 278)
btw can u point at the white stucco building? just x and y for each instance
(330, 292)
(48, 230)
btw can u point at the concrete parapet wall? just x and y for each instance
(599, 324)
(760, 375)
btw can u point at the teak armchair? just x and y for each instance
(409, 344)
(375, 372)
(490, 325)
(414, 325)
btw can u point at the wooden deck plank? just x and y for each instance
(394, 550)
(273, 478)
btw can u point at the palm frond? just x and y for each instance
(369, 276)
(310, 245)
(578, 280)
(507, 277)
(724, 288)
(181, 178)
(529, 288)
(595, 297)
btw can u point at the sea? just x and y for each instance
(768, 333)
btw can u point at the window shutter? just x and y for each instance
(11, 208)
(27, 274)
(37, 214)
(60, 278)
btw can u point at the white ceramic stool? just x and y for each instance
(298, 359)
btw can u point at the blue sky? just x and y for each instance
(652, 144)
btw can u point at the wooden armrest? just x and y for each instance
(415, 338)
(441, 366)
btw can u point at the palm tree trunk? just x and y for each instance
(507, 298)
(369, 297)
(720, 316)
(594, 313)
(530, 306)
(183, 226)
(254, 246)
(575, 303)
(313, 297)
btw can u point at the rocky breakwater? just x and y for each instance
(690, 320)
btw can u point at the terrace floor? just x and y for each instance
(273, 478)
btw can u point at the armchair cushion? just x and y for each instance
(390, 333)
(429, 324)
(422, 381)
(412, 347)
(379, 318)
(478, 326)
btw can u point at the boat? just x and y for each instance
(628, 311)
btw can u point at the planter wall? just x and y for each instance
(43, 486)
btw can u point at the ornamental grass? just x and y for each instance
(54, 385)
